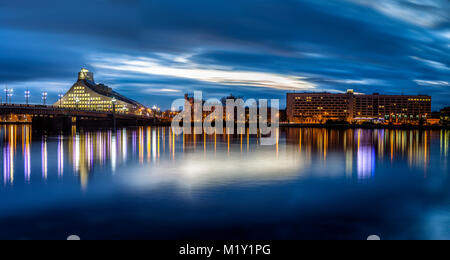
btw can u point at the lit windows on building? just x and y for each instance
(85, 94)
(318, 108)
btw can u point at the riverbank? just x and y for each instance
(333, 126)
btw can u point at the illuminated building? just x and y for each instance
(445, 116)
(318, 108)
(85, 94)
(394, 108)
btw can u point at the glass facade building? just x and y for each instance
(85, 94)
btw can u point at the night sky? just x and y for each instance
(156, 50)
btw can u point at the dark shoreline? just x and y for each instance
(336, 126)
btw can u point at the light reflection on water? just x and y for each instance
(360, 150)
(153, 158)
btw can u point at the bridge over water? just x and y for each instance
(59, 119)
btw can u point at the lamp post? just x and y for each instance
(6, 95)
(77, 101)
(27, 96)
(114, 105)
(11, 93)
(60, 99)
(44, 97)
(114, 112)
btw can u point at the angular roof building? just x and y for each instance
(85, 94)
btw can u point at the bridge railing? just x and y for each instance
(65, 110)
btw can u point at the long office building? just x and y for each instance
(318, 108)
(85, 94)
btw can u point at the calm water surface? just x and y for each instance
(146, 183)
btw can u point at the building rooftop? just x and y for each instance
(351, 92)
(88, 79)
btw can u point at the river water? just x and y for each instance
(147, 183)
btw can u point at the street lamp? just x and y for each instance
(114, 105)
(27, 96)
(113, 101)
(11, 93)
(77, 101)
(44, 97)
(60, 99)
(6, 95)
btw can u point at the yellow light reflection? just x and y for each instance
(27, 155)
(141, 145)
(149, 143)
(228, 143)
(173, 145)
(300, 141)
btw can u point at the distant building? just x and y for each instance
(435, 118)
(85, 94)
(445, 116)
(318, 108)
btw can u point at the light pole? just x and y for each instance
(44, 98)
(27, 96)
(60, 99)
(114, 111)
(11, 93)
(6, 95)
(77, 101)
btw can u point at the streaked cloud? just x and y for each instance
(432, 63)
(432, 83)
(164, 90)
(425, 13)
(358, 81)
(197, 72)
(446, 34)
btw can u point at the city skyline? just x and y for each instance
(9, 94)
(190, 122)
(154, 52)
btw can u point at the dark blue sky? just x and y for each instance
(156, 50)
